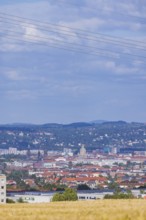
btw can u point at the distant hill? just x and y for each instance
(115, 123)
(51, 125)
(98, 135)
(17, 125)
(98, 121)
(74, 124)
(78, 124)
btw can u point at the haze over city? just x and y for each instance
(52, 71)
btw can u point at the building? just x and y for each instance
(114, 150)
(2, 189)
(93, 194)
(31, 197)
(39, 197)
(83, 151)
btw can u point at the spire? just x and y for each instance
(83, 151)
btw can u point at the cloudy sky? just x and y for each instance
(68, 60)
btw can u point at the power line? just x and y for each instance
(76, 44)
(95, 39)
(58, 41)
(105, 41)
(77, 30)
(13, 37)
(79, 50)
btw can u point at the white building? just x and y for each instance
(83, 151)
(13, 150)
(2, 189)
(35, 197)
(32, 197)
(92, 195)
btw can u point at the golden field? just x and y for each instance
(86, 210)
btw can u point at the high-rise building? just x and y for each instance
(2, 189)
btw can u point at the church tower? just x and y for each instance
(83, 151)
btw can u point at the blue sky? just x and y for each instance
(42, 83)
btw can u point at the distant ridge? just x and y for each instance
(18, 125)
(52, 136)
(116, 122)
(51, 125)
(98, 121)
(78, 124)
(70, 125)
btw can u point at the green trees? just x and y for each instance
(83, 187)
(20, 200)
(9, 200)
(120, 195)
(58, 197)
(68, 195)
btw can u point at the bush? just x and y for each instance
(119, 195)
(68, 195)
(58, 197)
(9, 201)
(20, 200)
(83, 187)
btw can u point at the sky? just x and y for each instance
(64, 61)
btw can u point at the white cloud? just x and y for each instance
(38, 76)
(14, 75)
(90, 22)
(31, 33)
(120, 69)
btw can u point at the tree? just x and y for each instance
(83, 187)
(58, 197)
(120, 195)
(68, 195)
(20, 200)
(113, 185)
(10, 200)
(142, 191)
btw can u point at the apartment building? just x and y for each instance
(2, 189)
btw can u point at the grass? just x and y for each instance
(87, 210)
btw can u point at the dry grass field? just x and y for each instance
(87, 210)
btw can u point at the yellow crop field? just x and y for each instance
(87, 210)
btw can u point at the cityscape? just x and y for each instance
(97, 172)
(72, 110)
